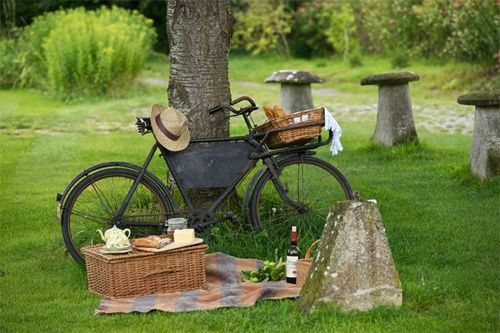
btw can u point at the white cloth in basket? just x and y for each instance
(332, 125)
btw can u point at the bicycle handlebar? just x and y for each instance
(243, 98)
(144, 123)
(247, 109)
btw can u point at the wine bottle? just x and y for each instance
(292, 257)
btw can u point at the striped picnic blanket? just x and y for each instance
(225, 289)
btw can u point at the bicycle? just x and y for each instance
(287, 187)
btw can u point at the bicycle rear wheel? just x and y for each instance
(94, 202)
(309, 181)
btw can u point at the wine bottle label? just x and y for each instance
(291, 266)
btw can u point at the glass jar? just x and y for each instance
(176, 223)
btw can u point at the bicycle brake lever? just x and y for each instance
(143, 125)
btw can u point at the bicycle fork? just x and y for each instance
(282, 191)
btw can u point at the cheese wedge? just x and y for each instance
(184, 236)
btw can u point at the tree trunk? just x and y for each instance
(199, 34)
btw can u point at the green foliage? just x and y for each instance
(22, 13)
(308, 38)
(400, 59)
(355, 59)
(341, 30)
(262, 27)
(31, 41)
(463, 30)
(83, 53)
(446, 29)
(9, 64)
(270, 271)
(324, 27)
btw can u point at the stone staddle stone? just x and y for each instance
(295, 89)
(353, 267)
(395, 123)
(484, 155)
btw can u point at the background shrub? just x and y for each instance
(82, 53)
(341, 28)
(30, 49)
(444, 29)
(400, 59)
(462, 30)
(9, 64)
(261, 27)
(308, 35)
(355, 59)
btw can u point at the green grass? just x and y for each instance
(442, 225)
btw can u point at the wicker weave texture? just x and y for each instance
(143, 273)
(293, 129)
(304, 265)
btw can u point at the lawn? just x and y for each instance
(442, 224)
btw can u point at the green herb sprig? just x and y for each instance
(270, 271)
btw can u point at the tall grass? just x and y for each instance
(85, 53)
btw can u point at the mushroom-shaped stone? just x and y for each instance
(295, 89)
(389, 79)
(395, 123)
(484, 155)
(483, 98)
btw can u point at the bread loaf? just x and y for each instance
(151, 241)
(278, 111)
(268, 110)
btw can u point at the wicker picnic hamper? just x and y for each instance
(142, 273)
(293, 129)
(303, 265)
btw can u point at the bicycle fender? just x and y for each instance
(97, 167)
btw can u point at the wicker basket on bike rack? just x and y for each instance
(303, 265)
(293, 129)
(142, 273)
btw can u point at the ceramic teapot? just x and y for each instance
(116, 238)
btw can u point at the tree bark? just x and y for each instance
(199, 33)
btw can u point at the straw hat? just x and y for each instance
(170, 127)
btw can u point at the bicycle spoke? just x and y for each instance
(310, 183)
(95, 187)
(89, 217)
(94, 202)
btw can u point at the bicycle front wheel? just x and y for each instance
(309, 181)
(95, 201)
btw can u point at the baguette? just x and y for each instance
(278, 111)
(268, 110)
(151, 241)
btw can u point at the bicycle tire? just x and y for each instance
(118, 179)
(264, 188)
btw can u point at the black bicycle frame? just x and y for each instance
(259, 152)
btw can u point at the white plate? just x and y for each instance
(122, 250)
